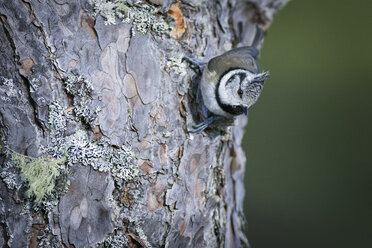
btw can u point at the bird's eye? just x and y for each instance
(240, 92)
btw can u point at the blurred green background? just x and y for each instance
(309, 138)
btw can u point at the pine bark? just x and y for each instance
(185, 190)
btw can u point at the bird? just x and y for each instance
(231, 83)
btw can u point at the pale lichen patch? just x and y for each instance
(123, 162)
(143, 237)
(116, 240)
(9, 175)
(142, 15)
(81, 89)
(177, 64)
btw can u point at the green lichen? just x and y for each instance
(142, 15)
(40, 173)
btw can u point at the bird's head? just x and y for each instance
(238, 89)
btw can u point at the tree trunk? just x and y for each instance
(96, 106)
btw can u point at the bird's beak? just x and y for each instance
(245, 110)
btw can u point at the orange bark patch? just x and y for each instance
(155, 197)
(180, 153)
(162, 153)
(73, 63)
(68, 109)
(183, 228)
(177, 15)
(26, 66)
(97, 134)
(88, 24)
(144, 165)
(124, 197)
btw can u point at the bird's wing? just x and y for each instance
(242, 57)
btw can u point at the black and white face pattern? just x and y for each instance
(240, 88)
